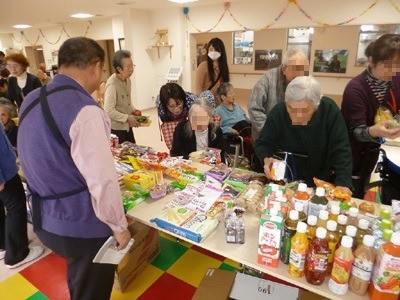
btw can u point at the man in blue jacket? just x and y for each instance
(13, 227)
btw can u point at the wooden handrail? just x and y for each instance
(314, 74)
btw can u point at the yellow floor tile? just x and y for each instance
(174, 239)
(192, 266)
(139, 285)
(232, 263)
(16, 288)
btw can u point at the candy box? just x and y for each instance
(219, 172)
(145, 179)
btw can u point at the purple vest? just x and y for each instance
(49, 168)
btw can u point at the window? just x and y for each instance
(301, 38)
(243, 47)
(368, 34)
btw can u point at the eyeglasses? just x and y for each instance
(130, 67)
(175, 107)
(12, 66)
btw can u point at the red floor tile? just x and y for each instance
(49, 276)
(208, 253)
(168, 287)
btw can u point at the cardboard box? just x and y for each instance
(307, 295)
(144, 249)
(216, 285)
(248, 287)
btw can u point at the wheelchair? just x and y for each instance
(236, 150)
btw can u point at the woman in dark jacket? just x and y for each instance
(20, 83)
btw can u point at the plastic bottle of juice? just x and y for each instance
(289, 229)
(383, 224)
(362, 230)
(384, 214)
(298, 251)
(301, 195)
(317, 258)
(343, 261)
(342, 223)
(362, 266)
(311, 227)
(317, 202)
(352, 218)
(300, 208)
(334, 213)
(386, 236)
(322, 218)
(333, 240)
(351, 231)
(386, 275)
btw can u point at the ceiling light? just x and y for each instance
(22, 26)
(367, 27)
(82, 16)
(182, 1)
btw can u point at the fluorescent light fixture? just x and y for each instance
(82, 16)
(22, 26)
(311, 30)
(367, 27)
(182, 1)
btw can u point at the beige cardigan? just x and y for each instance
(118, 102)
(203, 81)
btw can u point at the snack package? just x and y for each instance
(158, 191)
(252, 197)
(134, 196)
(229, 194)
(239, 178)
(212, 156)
(145, 179)
(324, 184)
(219, 172)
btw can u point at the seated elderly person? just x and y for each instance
(310, 132)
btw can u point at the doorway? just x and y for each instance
(35, 56)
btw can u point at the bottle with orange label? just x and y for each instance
(317, 258)
(302, 196)
(298, 251)
(385, 284)
(342, 263)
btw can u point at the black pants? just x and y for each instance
(124, 136)
(86, 280)
(362, 173)
(13, 227)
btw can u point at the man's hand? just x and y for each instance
(132, 121)
(267, 167)
(2, 185)
(383, 129)
(122, 238)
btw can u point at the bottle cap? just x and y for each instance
(277, 206)
(353, 212)
(274, 187)
(301, 227)
(368, 240)
(298, 206)
(335, 209)
(331, 225)
(278, 193)
(347, 241)
(342, 219)
(302, 187)
(384, 214)
(273, 211)
(386, 224)
(230, 204)
(387, 234)
(395, 239)
(312, 220)
(294, 215)
(363, 224)
(320, 192)
(351, 231)
(323, 215)
(321, 233)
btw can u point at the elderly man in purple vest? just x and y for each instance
(64, 149)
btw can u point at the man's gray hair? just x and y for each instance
(290, 53)
(4, 102)
(304, 88)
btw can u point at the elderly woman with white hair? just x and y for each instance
(309, 131)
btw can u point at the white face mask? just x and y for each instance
(214, 55)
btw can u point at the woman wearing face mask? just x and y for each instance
(211, 73)
(198, 132)
(374, 89)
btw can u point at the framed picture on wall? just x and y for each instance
(121, 43)
(267, 59)
(330, 61)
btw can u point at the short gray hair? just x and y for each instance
(223, 89)
(118, 57)
(290, 53)
(304, 88)
(206, 105)
(4, 102)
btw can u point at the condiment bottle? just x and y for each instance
(342, 223)
(317, 258)
(301, 195)
(322, 218)
(343, 261)
(352, 218)
(334, 213)
(351, 231)
(362, 230)
(300, 208)
(317, 202)
(298, 251)
(289, 229)
(386, 275)
(362, 266)
(311, 227)
(333, 240)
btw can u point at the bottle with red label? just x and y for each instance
(385, 284)
(342, 263)
(317, 258)
(298, 251)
